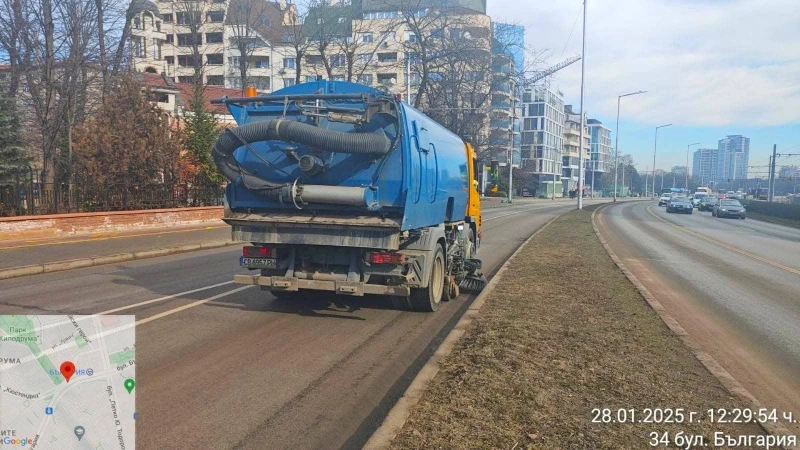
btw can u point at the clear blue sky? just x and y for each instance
(711, 67)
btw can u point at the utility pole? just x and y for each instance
(583, 113)
(772, 172)
(510, 160)
(616, 145)
(646, 180)
(687, 165)
(655, 145)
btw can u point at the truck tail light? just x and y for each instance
(251, 251)
(386, 258)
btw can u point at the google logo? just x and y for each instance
(22, 442)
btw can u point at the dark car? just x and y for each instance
(680, 205)
(707, 203)
(728, 207)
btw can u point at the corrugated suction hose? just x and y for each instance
(289, 131)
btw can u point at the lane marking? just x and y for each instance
(92, 238)
(724, 245)
(161, 299)
(191, 305)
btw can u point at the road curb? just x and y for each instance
(728, 381)
(398, 415)
(58, 266)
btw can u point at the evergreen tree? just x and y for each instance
(12, 153)
(201, 131)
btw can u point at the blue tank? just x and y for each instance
(420, 179)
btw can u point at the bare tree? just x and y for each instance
(294, 34)
(361, 45)
(190, 15)
(326, 26)
(245, 19)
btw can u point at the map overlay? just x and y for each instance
(67, 381)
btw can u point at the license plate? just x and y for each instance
(258, 262)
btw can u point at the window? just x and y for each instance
(184, 18)
(260, 83)
(387, 57)
(266, 22)
(170, 60)
(341, 20)
(167, 18)
(170, 39)
(437, 33)
(288, 82)
(364, 58)
(186, 60)
(414, 79)
(337, 78)
(411, 37)
(137, 47)
(287, 37)
(261, 63)
(161, 97)
(313, 59)
(137, 23)
(365, 79)
(338, 60)
(216, 16)
(186, 80)
(214, 59)
(289, 63)
(366, 37)
(312, 78)
(387, 78)
(213, 38)
(455, 33)
(187, 40)
(215, 80)
(413, 57)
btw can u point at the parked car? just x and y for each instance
(728, 207)
(680, 205)
(664, 199)
(707, 203)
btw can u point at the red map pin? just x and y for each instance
(67, 369)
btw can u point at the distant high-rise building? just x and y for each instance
(542, 135)
(733, 158)
(704, 165)
(599, 152)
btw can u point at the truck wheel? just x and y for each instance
(401, 303)
(429, 298)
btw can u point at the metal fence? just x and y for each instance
(32, 198)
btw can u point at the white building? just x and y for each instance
(599, 153)
(542, 138)
(570, 151)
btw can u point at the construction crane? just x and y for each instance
(551, 70)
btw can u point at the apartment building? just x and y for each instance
(570, 166)
(164, 35)
(542, 138)
(506, 106)
(704, 165)
(733, 156)
(599, 153)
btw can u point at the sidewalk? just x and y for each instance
(49, 250)
(563, 333)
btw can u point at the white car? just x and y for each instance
(697, 197)
(664, 200)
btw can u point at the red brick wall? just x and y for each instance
(29, 227)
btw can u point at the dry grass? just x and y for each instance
(564, 332)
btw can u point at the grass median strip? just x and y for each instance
(565, 332)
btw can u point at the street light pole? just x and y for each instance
(583, 113)
(655, 146)
(616, 145)
(687, 165)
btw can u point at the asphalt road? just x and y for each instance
(225, 366)
(734, 285)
